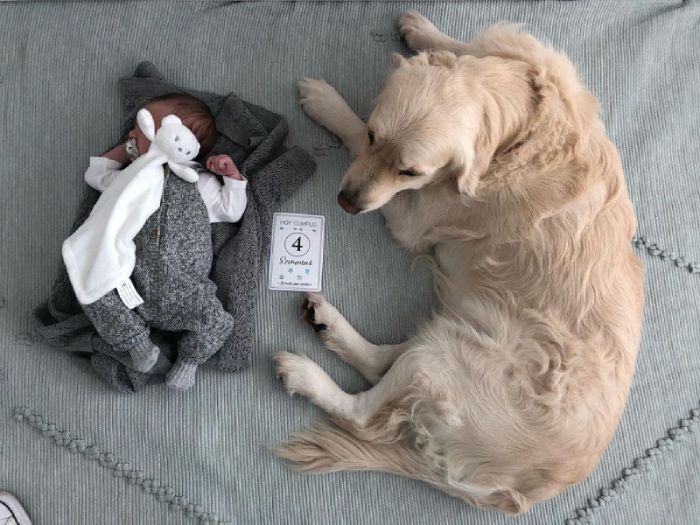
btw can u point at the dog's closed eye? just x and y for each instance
(408, 173)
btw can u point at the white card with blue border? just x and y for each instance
(296, 256)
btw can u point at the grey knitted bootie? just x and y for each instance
(144, 355)
(181, 375)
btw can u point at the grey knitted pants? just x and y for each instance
(205, 324)
(173, 261)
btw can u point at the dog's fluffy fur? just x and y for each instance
(514, 388)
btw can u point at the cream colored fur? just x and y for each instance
(513, 389)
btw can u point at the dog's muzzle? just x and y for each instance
(347, 204)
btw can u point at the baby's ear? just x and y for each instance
(170, 120)
(146, 124)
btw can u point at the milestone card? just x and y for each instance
(296, 257)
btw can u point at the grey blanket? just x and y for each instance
(254, 138)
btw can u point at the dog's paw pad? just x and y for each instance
(320, 327)
(312, 310)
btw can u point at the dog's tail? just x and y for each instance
(327, 448)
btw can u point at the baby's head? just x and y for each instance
(193, 112)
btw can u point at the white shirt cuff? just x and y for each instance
(234, 183)
(104, 161)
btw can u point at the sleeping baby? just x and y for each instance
(168, 251)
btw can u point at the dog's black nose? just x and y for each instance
(347, 204)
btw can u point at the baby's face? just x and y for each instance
(158, 110)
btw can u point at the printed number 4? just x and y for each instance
(297, 244)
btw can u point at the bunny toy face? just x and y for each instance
(173, 138)
(176, 140)
(174, 143)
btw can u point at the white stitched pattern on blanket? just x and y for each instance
(639, 466)
(642, 243)
(120, 469)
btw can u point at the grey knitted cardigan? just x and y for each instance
(254, 138)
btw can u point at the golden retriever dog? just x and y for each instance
(489, 160)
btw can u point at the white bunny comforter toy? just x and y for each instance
(101, 254)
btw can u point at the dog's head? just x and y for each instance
(439, 118)
(423, 129)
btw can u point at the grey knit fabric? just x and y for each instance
(173, 261)
(176, 247)
(181, 375)
(144, 354)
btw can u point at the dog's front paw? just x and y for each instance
(328, 322)
(318, 99)
(296, 371)
(417, 31)
(313, 308)
(319, 313)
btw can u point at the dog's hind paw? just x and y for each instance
(418, 32)
(298, 373)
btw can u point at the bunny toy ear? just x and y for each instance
(171, 119)
(146, 124)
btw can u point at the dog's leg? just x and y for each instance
(501, 40)
(371, 360)
(421, 35)
(301, 375)
(324, 104)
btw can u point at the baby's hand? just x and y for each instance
(223, 165)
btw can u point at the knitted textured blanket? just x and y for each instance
(254, 138)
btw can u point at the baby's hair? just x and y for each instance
(194, 114)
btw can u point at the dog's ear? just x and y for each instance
(442, 58)
(475, 161)
(398, 61)
(467, 183)
(458, 170)
(469, 168)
